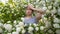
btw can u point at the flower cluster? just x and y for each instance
(12, 13)
(20, 28)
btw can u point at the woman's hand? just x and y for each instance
(31, 6)
(38, 10)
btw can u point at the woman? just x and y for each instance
(29, 19)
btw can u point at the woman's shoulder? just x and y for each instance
(31, 17)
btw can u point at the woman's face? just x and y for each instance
(28, 12)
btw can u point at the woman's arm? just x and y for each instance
(39, 10)
(39, 13)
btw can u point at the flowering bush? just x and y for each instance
(20, 28)
(13, 11)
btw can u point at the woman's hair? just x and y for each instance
(29, 9)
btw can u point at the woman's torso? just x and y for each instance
(30, 20)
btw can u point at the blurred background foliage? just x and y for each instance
(15, 9)
(11, 10)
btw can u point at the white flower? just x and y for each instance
(8, 21)
(8, 33)
(15, 14)
(4, 1)
(44, 8)
(30, 24)
(18, 29)
(8, 12)
(47, 24)
(48, 0)
(16, 1)
(49, 7)
(14, 22)
(50, 31)
(56, 0)
(21, 24)
(37, 0)
(23, 31)
(37, 28)
(48, 11)
(37, 6)
(55, 4)
(42, 2)
(42, 27)
(11, 5)
(30, 32)
(8, 27)
(25, 25)
(25, 5)
(58, 11)
(56, 20)
(56, 25)
(35, 25)
(22, 27)
(30, 28)
(17, 26)
(53, 11)
(42, 17)
(12, 11)
(13, 28)
(22, 19)
(1, 30)
(15, 33)
(44, 5)
(57, 31)
(1, 24)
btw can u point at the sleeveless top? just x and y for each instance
(31, 20)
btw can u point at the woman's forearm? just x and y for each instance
(35, 9)
(39, 10)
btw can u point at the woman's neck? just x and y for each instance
(28, 17)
